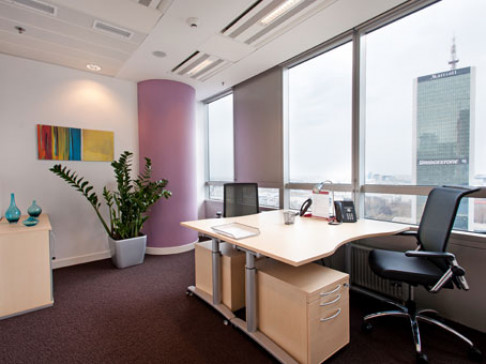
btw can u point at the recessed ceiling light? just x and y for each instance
(93, 67)
(159, 54)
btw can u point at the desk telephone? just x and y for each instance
(345, 211)
(305, 206)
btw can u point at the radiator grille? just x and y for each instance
(363, 276)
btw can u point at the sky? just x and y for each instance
(418, 45)
(220, 118)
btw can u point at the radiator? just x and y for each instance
(363, 276)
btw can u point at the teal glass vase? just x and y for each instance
(13, 213)
(34, 210)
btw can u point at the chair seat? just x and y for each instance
(397, 266)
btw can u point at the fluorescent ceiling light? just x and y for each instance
(279, 11)
(200, 66)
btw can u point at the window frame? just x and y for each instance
(358, 187)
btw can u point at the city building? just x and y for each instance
(443, 126)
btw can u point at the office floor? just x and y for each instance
(141, 314)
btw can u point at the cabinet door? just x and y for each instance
(329, 323)
(25, 272)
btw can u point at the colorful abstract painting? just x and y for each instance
(61, 143)
(58, 143)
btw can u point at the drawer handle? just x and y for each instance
(331, 292)
(331, 317)
(331, 302)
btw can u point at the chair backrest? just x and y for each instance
(240, 199)
(439, 215)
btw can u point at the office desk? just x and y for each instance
(307, 240)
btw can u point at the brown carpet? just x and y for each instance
(141, 314)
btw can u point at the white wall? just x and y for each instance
(37, 93)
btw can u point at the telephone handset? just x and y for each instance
(345, 211)
(305, 206)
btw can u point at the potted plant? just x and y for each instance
(127, 206)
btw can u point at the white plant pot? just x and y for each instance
(128, 252)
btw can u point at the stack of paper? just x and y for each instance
(236, 230)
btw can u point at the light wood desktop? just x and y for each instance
(25, 267)
(305, 241)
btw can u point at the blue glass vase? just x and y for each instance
(13, 213)
(34, 210)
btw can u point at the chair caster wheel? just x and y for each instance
(475, 354)
(189, 293)
(366, 327)
(422, 359)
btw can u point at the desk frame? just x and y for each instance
(274, 219)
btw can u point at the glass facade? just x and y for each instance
(319, 105)
(380, 113)
(443, 122)
(424, 121)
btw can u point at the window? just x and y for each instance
(421, 98)
(268, 197)
(319, 116)
(394, 207)
(425, 75)
(297, 198)
(220, 139)
(421, 77)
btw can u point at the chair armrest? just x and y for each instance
(454, 272)
(429, 254)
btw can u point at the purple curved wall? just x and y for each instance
(166, 129)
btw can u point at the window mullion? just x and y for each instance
(358, 125)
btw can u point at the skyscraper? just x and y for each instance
(442, 130)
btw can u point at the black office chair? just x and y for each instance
(240, 199)
(430, 265)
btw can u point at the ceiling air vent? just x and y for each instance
(200, 66)
(267, 19)
(112, 29)
(154, 4)
(37, 6)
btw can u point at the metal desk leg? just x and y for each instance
(215, 300)
(216, 272)
(250, 327)
(347, 258)
(251, 293)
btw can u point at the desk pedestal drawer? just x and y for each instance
(232, 273)
(305, 310)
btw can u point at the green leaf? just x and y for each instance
(128, 205)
